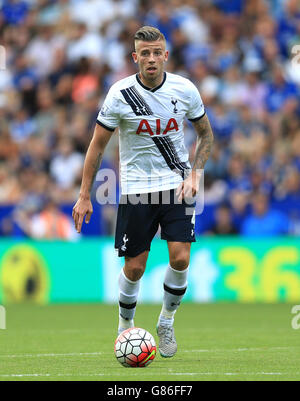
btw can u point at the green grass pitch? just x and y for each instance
(215, 341)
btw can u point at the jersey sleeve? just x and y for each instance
(196, 106)
(109, 116)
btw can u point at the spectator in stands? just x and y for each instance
(25, 76)
(162, 18)
(237, 174)
(84, 44)
(66, 166)
(85, 82)
(22, 127)
(279, 90)
(14, 11)
(253, 92)
(9, 188)
(42, 50)
(288, 198)
(264, 221)
(288, 25)
(50, 223)
(223, 222)
(238, 201)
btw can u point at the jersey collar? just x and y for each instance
(151, 89)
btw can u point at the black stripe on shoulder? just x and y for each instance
(105, 126)
(145, 107)
(136, 102)
(193, 120)
(174, 291)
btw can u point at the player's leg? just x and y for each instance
(175, 285)
(129, 283)
(175, 282)
(177, 227)
(136, 227)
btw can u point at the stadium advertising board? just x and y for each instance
(222, 269)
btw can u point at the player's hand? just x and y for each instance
(83, 208)
(190, 186)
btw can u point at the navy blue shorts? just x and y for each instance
(139, 217)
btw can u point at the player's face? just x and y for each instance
(150, 57)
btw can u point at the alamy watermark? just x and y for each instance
(2, 318)
(296, 59)
(2, 58)
(143, 183)
(296, 319)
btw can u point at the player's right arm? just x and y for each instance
(83, 206)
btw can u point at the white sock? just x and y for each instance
(124, 323)
(175, 285)
(128, 294)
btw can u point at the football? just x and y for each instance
(135, 348)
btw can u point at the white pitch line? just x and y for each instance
(240, 349)
(49, 375)
(27, 375)
(76, 354)
(51, 355)
(87, 354)
(227, 374)
(139, 374)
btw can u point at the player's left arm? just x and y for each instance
(205, 138)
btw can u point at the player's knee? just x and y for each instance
(180, 261)
(135, 267)
(134, 271)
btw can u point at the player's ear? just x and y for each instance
(134, 56)
(166, 55)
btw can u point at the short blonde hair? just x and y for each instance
(148, 34)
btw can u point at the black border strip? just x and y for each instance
(151, 89)
(105, 126)
(193, 120)
(127, 306)
(173, 291)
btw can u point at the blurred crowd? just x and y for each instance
(63, 55)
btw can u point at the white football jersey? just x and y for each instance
(153, 156)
